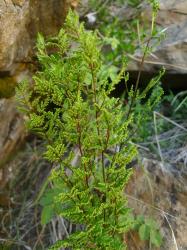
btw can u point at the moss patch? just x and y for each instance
(7, 87)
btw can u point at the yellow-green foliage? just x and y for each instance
(70, 106)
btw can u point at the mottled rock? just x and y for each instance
(172, 11)
(20, 20)
(11, 129)
(160, 191)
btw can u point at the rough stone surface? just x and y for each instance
(20, 20)
(160, 192)
(12, 133)
(172, 52)
(172, 12)
(11, 129)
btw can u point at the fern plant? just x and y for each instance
(87, 133)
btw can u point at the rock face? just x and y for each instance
(12, 133)
(160, 192)
(172, 52)
(20, 20)
(11, 128)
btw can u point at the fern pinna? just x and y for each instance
(87, 135)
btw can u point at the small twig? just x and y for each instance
(20, 243)
(156, 137)
(171, 121)
(65, 229)
(172, 232)
(149, 205)
(180, 105)
(39, 238)
(139, 146)
(182, 67)
(23, 236)
(177, 95)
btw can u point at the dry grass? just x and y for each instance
(20, 221)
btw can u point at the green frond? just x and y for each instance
(87, 133)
